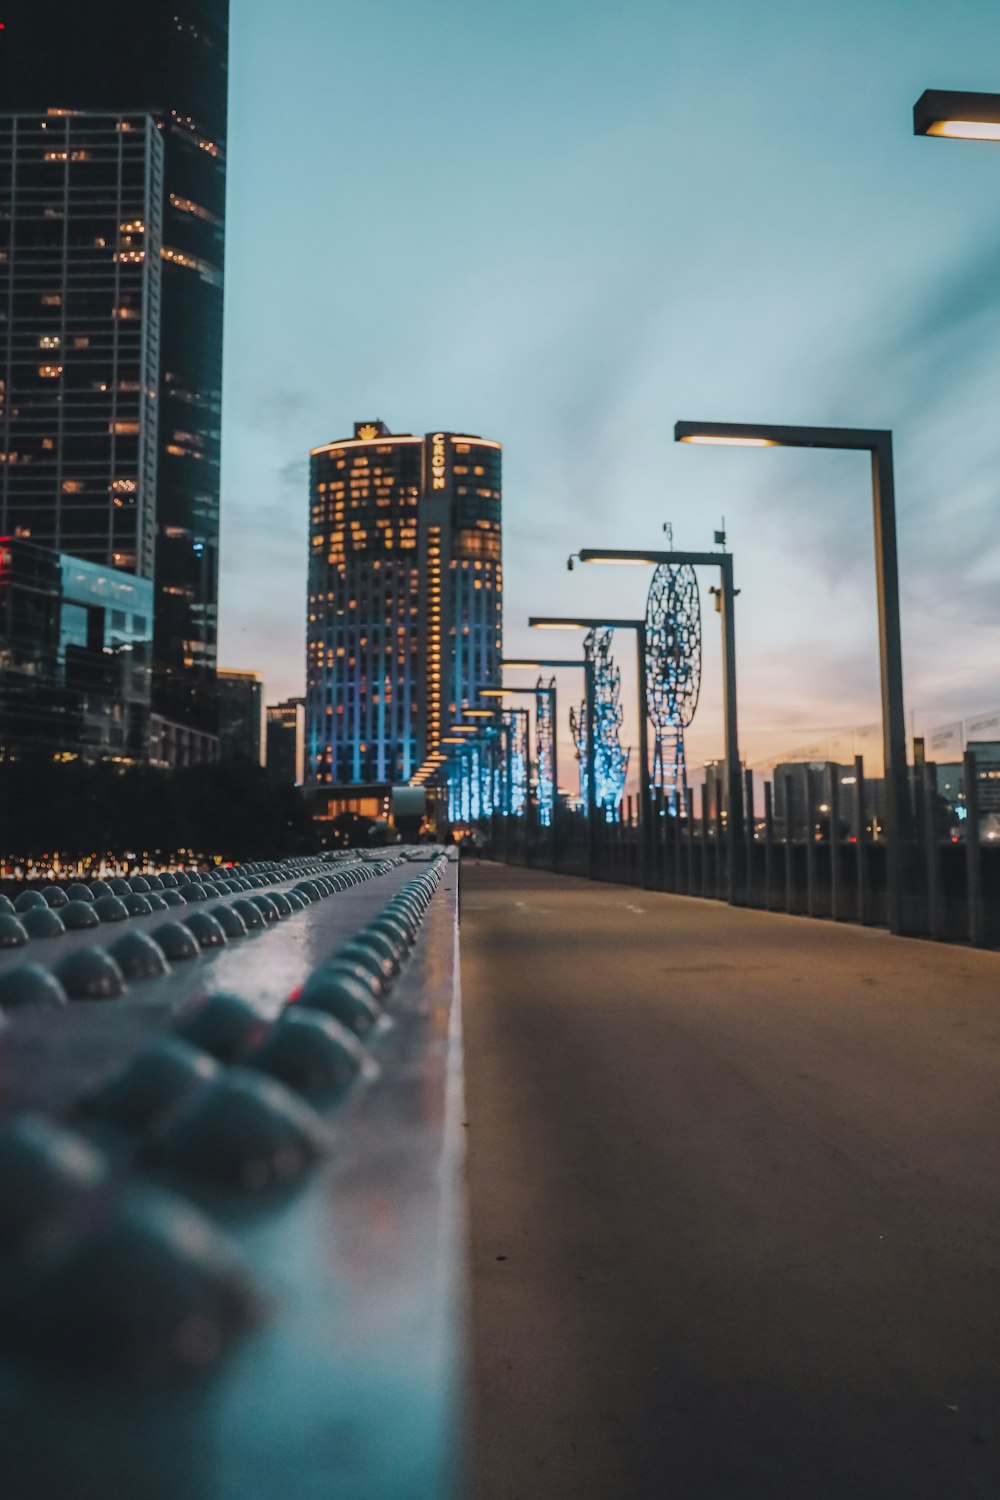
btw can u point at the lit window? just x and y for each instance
(50, 372)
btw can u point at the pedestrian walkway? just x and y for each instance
(734, 1199)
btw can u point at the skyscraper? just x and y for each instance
(241, 716)
(72, 75)
(405, 599)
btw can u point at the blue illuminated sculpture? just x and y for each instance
(673, 674)
(545, 731)
(610, 759)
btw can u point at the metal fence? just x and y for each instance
(789, 856)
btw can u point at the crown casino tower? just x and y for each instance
(112, 221)
(405, 601)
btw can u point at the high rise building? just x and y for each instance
(286, 741)
(405, 599)
(241, 716)
(90, 89)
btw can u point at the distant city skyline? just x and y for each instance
(569, 229)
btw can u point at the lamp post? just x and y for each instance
(727, 599)
(957, 116)
(534, 692)
(878, 444)
(556, 664)
(555, 622)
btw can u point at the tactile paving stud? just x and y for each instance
(167, 880)
(223, 1025)
(119, 886)
(152, 1083)
(177, 942)
(265, 905)
(152, 1293)
(90, 974)
(342, 995)
(55, 896)
(156, 901)
(80, 892)
(229, 920)
(42, 922)
(29, 900)
(111, 909)
(173, 898)
(139, 884)
(77, 915)
(6, 906)
(206, 928)
(193, 892)
(243, 1132)
(360, 951)
(43, 1170)
(251, 914)
(154, 883)
(310, 1051)
(396, 940)
(140, 956)
(30, 985)
(12, 932)
(281, 901)
(136, 905)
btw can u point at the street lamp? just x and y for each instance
(727, 599)
(539, 690)
(957, 116)
(878, 444)
(551, 622)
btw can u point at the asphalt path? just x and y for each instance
(734, 1185)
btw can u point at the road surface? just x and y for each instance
(735, 1201)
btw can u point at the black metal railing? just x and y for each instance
(792, 855)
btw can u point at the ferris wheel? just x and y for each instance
(673, 673)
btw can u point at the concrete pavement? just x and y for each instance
(734, 1198)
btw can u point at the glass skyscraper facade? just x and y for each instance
(73, 73)
(80, 289)
(405, 599)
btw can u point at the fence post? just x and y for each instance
(789, 828)
(704, 838)
(933, 852)
(973, 852)
(748, 825)
(810, 847)
(689, 836)
(719, 842)
(768, 845)
(835, 845)
(860, 816)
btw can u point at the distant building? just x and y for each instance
(75, 653)
(286, 741)
(816, 787)
(175, 746)
(241, 716)
(950, 779)
(405, 600)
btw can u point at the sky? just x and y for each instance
(566, 226)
